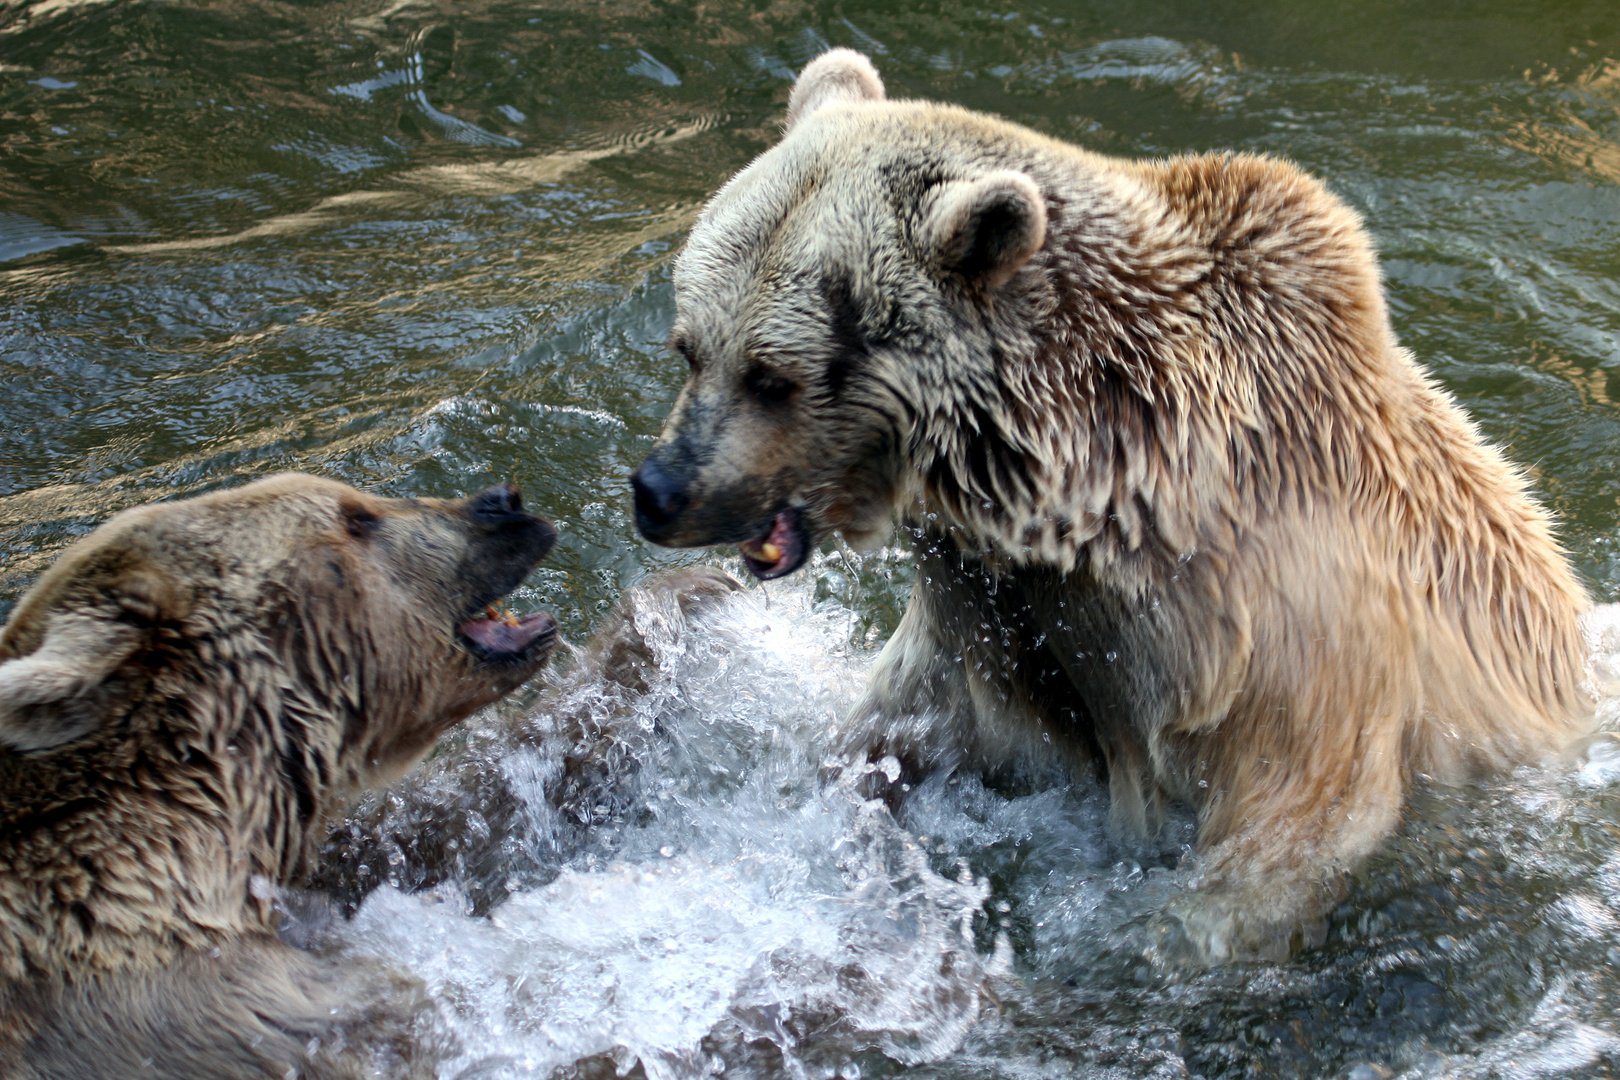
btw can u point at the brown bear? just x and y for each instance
(1181, 504)
(186, 697)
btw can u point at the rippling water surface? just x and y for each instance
(424, 246)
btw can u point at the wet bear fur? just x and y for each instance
(1182, 506)
(186, 697)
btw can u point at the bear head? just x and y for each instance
(337, 633)
(833, 304)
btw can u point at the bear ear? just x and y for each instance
(838, 75)
(985, 229)
(39, 692)
(46, 695)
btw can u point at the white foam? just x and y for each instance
(756, 898)
(732, 906)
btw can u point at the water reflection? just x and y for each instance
(422, 247)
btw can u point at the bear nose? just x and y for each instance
(659, 498)
(500, 501)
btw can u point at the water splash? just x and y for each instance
(713, 897)
(685, 882)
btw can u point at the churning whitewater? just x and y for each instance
(721, 898)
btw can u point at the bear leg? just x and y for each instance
(1279, 840)
(967, 682)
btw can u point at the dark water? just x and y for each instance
(424, 246)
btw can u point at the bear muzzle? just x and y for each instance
(660, 499)
(508, 543)
(666, 514)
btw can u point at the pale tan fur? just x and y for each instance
(1177, 493)
(186, 697)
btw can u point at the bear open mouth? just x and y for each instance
(497, 634)
(780, 549)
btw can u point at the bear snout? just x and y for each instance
(499, 511)
(508, 543)
(660, 498)
(497, 504)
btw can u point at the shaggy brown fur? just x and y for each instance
(1179, 497)
(186, 697)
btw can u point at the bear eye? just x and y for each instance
(682, 345)
(767, 387)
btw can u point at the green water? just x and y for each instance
(425, 246)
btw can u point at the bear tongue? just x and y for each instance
(501, 638)
(779, 547)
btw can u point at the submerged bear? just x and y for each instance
(185, 697)
(1182, 506)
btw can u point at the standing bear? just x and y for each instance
(1181, 505)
